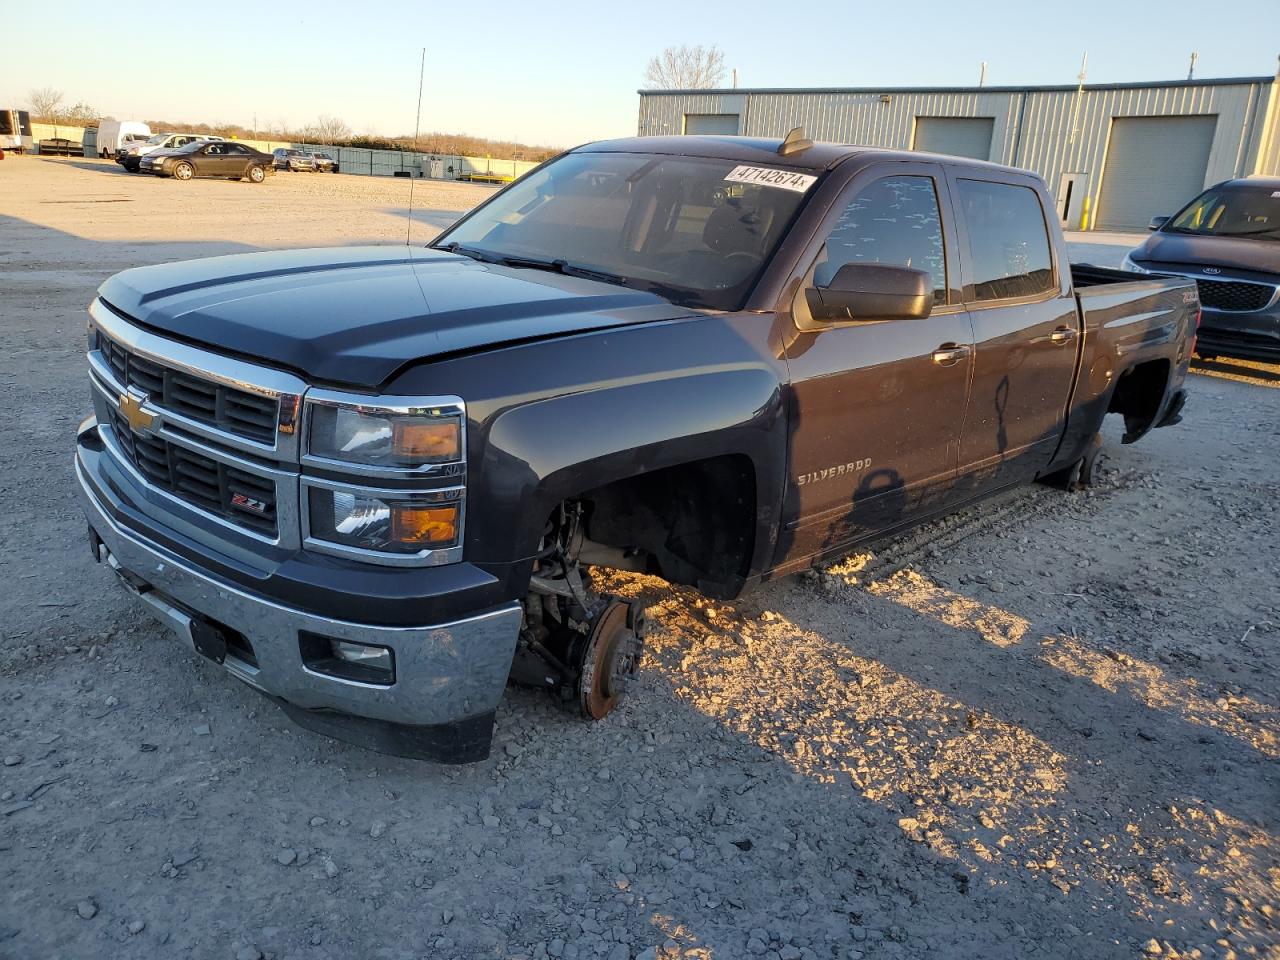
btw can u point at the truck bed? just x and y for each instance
(1148, 314)
(1138, 330)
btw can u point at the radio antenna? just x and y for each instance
(417, 122)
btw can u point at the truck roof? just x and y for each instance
(764, 150)
(1253, 181)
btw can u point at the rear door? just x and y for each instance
(1025, 327)
(876, 407)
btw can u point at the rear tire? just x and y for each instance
(1080, 475)
(257, 174)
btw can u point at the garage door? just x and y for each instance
(1154, 165)
(955, 136)
(718, 123)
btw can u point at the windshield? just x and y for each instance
(1236, 211)
(686, 228)
(158, 138)
(191, 147)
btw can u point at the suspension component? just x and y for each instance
(583, 647)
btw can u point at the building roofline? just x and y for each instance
(1047, 88)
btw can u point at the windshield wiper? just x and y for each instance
(481, 255)
(566, 268)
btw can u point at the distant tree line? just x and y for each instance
(46, 106)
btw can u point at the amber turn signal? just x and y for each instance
(429, 441)
(419, 525)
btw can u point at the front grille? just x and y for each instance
(1236, 295)
(214, 487)
(238, 412)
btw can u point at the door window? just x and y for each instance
(1008, 240)
(892, 221)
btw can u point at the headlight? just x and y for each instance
(158, 161)
(412, 436)
(409, 523)
(1129, 265)
(418, 444)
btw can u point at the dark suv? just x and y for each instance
(1228, 240)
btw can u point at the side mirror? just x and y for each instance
(873, 291)
(1157, 222)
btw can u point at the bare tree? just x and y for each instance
(44, 103)
(79, 114)
(685, 68)
(327, 129)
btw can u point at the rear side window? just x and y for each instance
(1008, 240)
(892, 221)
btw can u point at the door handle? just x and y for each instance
(949, 354)
(1063, 335)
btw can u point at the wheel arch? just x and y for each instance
(712, 444)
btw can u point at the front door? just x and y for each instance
(876, 407)
(1026, 334)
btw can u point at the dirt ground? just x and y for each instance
(1048, 726)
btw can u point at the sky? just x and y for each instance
(566, 72)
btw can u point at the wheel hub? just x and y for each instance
(609, 660)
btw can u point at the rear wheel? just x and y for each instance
(183, 171)
(257, 174)
(1080, 475)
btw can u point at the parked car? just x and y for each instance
(130, 156)
(219, 158)
(294, 161)
(366, 481)
(1228, 241)
(324, 163)
(114, 134)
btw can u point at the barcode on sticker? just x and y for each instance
(768, 177)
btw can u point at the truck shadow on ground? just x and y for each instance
(1052, 766)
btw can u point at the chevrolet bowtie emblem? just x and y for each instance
(139, 420)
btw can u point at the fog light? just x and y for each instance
(348, 660)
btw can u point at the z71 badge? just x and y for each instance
(829, 473)
(251, 504)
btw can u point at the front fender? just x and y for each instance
(554, 418)
(623, 431)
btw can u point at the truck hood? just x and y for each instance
(356, 315)
(1261, 256)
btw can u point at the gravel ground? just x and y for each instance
(1046, 726)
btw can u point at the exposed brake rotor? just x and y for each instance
(609, 659)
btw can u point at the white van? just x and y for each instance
(114, 135)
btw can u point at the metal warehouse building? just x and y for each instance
(1114, 155)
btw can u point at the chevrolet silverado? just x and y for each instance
(367, 481)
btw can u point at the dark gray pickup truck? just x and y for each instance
(366, 481)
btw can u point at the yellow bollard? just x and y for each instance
(1084, 215)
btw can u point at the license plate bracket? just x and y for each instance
(208, 640)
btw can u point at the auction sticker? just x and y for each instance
(767, 177)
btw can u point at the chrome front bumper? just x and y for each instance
(448, 676)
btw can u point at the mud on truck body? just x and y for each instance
(366, 480)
